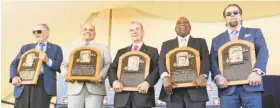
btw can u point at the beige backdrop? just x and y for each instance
(65, 19)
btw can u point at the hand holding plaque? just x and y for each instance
(254, 79)
(16, 81)
(117, 86)
(201, 81)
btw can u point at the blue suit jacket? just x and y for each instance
(253, 35)
(54, 52)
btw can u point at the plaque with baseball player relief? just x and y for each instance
(29, 66)
(84, 64)
(236, 61)
(183, 66)
(133, 68)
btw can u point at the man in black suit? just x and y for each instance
(145, 97)
(190, 97)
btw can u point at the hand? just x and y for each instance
(16, 81)
(44, 57)
(96, 80)
(143, 87)
(168, 84)
(254, 79)
(201, 81)
(68, 79)
(221, 81)
(117, 86)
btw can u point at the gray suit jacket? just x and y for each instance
(94, 88)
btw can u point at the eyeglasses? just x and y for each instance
(37, 31)
(230, 13)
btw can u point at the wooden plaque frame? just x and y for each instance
(168, 65)
(38, 67)
(252, 53)
(147, 67)
(84, 78)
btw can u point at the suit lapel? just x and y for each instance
(242, 33)
(190, 42)
(143, 48)
(48, 47)
(174, 43)
(225, 37)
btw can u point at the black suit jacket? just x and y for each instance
(196, 94)
(142, 100)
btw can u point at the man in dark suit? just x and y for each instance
(190, 97)
(145, 97)
(248, 95)
(38, 95)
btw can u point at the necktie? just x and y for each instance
(183, 42)
(234, 35)
(86, 44)
(135, 48)
(42, 49)
(42, 46)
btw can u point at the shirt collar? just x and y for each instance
(45, 42)
(90, 42)
(180, 38)
(238, 29)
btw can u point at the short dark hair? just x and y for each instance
(235, 5)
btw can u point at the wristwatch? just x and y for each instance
(258, 72)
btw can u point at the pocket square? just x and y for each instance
(247, 35)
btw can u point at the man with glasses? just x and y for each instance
(87, 94)
(249, 95)
(38, 95)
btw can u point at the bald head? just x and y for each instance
(183, 27)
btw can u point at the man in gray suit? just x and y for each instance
(87, 94)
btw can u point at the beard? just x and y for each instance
(233, 23)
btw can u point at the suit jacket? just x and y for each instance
(54, 52)
(94, 88)
(253, 35)
(196, 94)
(142, 100)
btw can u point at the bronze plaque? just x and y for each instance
(183, 66)
(84, 64)
(29, 67)
(236, 61)
(133, 68)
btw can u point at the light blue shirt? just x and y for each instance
(49, 63)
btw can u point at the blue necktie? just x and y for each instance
(42, 46)
(86, 44)
(42, 49)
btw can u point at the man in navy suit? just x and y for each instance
(248, 95)
(38, 95)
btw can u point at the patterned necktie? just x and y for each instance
(42, 46)
(135, 48)
(86, 44)
(234, 35)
